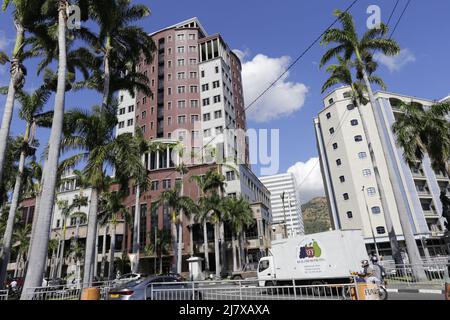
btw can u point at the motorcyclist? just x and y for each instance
(378, 271)
(368, 273)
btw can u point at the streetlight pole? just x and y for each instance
(284, 213)
(370, 221)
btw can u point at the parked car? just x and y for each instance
(140, 289)
(128, 277)
(249, 271)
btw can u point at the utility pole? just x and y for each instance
(370, 221)
(284, 213)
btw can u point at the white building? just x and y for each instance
(290, 211)
(349, 177)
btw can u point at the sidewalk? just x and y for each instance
(416, 288)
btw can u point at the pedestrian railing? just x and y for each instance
(242, 290)
(3, 294)
(435, 275)
(67, 292)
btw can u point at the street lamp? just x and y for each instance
(284, 213)
(370, 221)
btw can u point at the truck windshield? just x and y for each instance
(263, 265)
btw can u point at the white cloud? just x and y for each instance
(395, 63)
(308, 177)
(4, 42)
(283, 99)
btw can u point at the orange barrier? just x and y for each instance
(447, 291)
(90, 294)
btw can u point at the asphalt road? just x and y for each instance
(415, 296)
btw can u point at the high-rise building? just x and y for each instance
(197, 101)
(354, 196)
(285, 202)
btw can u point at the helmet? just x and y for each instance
(374, 259)
(365, 263)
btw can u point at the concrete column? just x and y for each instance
(168, 157)
(157, 159)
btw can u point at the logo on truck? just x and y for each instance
(310, 250)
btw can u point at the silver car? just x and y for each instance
(135, 290)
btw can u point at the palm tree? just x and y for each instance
(31, 107)
(162, 245)
(240, 216)
(111, 210)
(53, 246)
(77, 253)
(351, 45)
(26, 13)
(10, 171)
(421, 131)
(178, 204)
(119, 42)
(93, 134)
(21, 241)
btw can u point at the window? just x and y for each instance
(180, 49)
(155, 185)
(181, 89)
(230, 176)
(350, 107)
(331, 101)
(122, 111)
(216, 84)
(381, 230)
(362, 155)
(181, 75)
(169, 51)
(350, 215)
(342, 179)
(367, 172)
(206, 102)
(169, 77)
(371, 192)
(143, 128)
(217, 114)
(263, 265)
(194, 103)
(194, 135)
(206, 117)
(217, 99)
(181, 104)
(121, 124)
(194, 118)
(203, 73)
(121, 98)
(331, 130)
(205, 87)
(180, 37)
(192, 36)
(335, 146)
(144, 114)
(376, 210)
(328, 115)
(180, 62)
(354, 122)
(169, 64)
(194, 89)
(339, 162)
(169, 121)
(193, 75)
(346, 197)
(207, 133)
(182, 135)
(130, 122)
(358, 138)
(181, 119)
(169, 91)
(192, 48)
(217, 69)
(347, 94)
(219, 130)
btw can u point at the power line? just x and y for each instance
(298, 58)
(400, 18)
(393, 11)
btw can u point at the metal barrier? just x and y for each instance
(436, 275)
(3, 294)
(242, 290)
(67, 292)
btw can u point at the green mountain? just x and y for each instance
(316, 216)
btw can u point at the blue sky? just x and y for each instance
(272, 32)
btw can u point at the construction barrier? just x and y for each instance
(447, 291)
(366, 291)
(90, 294)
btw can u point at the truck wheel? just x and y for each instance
(237, 277)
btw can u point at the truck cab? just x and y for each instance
(266, 270)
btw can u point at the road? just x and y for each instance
(415, 296)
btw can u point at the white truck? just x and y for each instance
(322, 258)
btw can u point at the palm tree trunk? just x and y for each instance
(174, 247)
(33, 229)
(107, 79)
(136, 230)
(223, 252)
(39, 250)
(53, 273)
(206, 246)
(233, 248)
(96, 254)
(63, 244)
(104, 258)
(240, 250)
(411, 245)
(91, 239)
(7, 238)
(16, 271)
(112, 249)
(14, 83)
(217, 248)
(180, 244)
